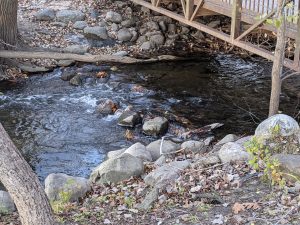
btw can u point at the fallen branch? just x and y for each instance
(83, 58)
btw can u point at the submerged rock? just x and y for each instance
(129, 118)
(167, 147)
(76, 80)
(106, 106)
(232, 152)
(62, 187)
(7, 205)
(287, 126)
(69, 15)
(156, 126)
(166, 174)
(138, 150)
(117, 169)
(68, 75)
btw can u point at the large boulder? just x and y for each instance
(66, 16)
(117, 169)
(286, 125)
(166, 147)
(166, 174)
(139, 150)
(232, 152)
(129, 118)
(98, 33)
(156, 126)
(45, 14)
(62, 187)
(116, 153)
(6, 203)
(113, 17)
(289, 164)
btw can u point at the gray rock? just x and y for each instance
(98, 33)
(152, 26)
(129, 118)
(124, 34)
(66, 16)
(116, 153)
(117, 169)
(198, 35)
(113, 17)
(172, 28)
(65, 63)
(135, 35)
(7, 205)
(128, 23)
(232, 152)
(77, 49)
(76, 80)
(156, 126)
(139, 150)
(114, 27)
(160, 161)
(288, 126)
(106, 106)
(30, 68)
(146, 46)
(228, 138)
(128, 11)
(68, 75)
(121, 53)
(141, 40)
(166, 174)
(289, 164)
(45, 14)
(208, 160)
(58, 185)
(162, 26)
(148, 201)
(242, 141)
(209, 140)
(157, 40)
(195, 146)
(80, 25)
(58, 24)
(185, 30)
(167, 147)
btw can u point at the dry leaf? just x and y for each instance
(237, 207)
(101, 74)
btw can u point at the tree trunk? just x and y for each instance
(8, 23)
(23, 185)
(278, 62)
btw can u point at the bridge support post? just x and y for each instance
(189, 9)
(236, 19)
(297, 47)
(153, 2)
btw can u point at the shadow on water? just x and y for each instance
(57, 128)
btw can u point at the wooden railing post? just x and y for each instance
(297, 47)
(189, 9)
(153, 2)
(236, 19)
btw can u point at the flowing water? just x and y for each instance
(57, 128)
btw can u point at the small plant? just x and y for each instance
(129, 201)
(261, 160)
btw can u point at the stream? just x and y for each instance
(57, 128)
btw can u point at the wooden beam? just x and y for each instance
(157, 3)
(257, 24)
(199, 5)
(153, 2)
(236, 19)
(189, 9)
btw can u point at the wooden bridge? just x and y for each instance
(246, 16)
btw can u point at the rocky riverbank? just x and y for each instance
(189, 182)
